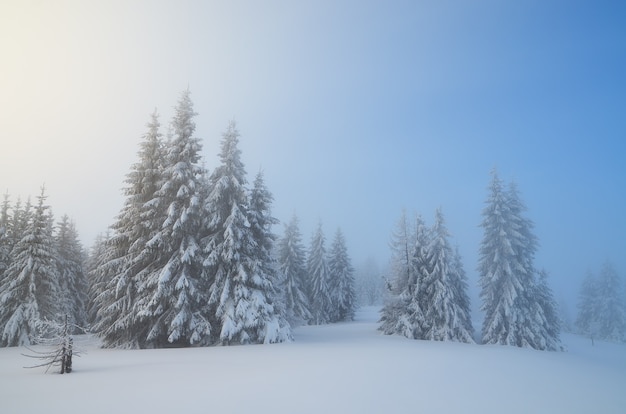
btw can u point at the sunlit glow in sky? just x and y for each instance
(354, 110)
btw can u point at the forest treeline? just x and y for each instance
(191, 260)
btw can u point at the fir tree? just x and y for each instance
(73, 280)
(5, 237)
(131, 258)
(548, 337)
(319, 288)
(341, 275)
(173, 314)
(588, 298)
(444, 301)
(507, 274)
(240, 293)
(403, 312)
(261, 222)
(292, 266)
(610, 312)
(29, 292)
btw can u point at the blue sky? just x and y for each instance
(354, 110)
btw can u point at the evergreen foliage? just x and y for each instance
(428, 293)
(128, 258)
(72, 277)
(601, 306)
(240, 294)
(30, 289)
(319, 284)
(341, 280)
(513, 312)
(174, 315)
(403, 311)
(291, 257)
(445, 304)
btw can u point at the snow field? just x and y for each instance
(339, 368)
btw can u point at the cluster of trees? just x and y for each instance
(428, 287)
(190, 259)
(41, 272)
(428, 298)
(602, 306)
(519, 306)
(318, 287)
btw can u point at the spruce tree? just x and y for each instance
(73, 280)
(611, 312)
(507, 274)
(319, 283)
(132, 259)
(444, 309)
(29, 294)
(240, 294)
(291, 257)
(174, 311)
(261, 222)
(403, 312)
(341, 276)
(588, 298)
(5, 237)
(547, 315)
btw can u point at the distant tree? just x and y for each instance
(403, 313)
(291, 257)
(98, 274)
(588, 318)
(72, 277)
(611, 312)
(5, 237)
(29, 294)
(319, 289)
(547, 315)
(341, 280)
(445, 304)
(240, 294)
(369, 283)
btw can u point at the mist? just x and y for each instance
(354, 111)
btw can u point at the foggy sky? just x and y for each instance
(353, 109)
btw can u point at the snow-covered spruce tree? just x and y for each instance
(588, 298)
(5, 236)
(29, 294)
(240, 298)
(261, 222)
(319, 283)
(611, 312)
(72, 277)
(291, 257)
(174, 282)
(403, 312)
(507, 274)
(443, 296)
(97, 277)
(341, 280)
(547, 315)
(461, 286)
(131, 258)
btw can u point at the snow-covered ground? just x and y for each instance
(341, 368)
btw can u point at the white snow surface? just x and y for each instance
(339, 368)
